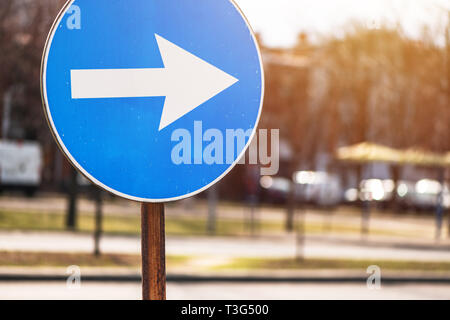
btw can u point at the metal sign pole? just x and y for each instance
(153, 251)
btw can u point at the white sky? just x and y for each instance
(279, 21)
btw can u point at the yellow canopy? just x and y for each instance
(371, 152)
(368, 152)
(424, 158)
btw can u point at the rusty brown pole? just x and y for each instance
(153, 251)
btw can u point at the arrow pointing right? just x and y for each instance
(186, 81)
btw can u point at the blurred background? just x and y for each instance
(360, 93)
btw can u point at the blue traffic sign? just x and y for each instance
(152, 100)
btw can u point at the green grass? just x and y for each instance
(45, 259)
(125, 225)
(130, 225)
(331, 264)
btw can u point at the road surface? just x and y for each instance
(226, 291)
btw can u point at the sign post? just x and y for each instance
(145, 90)
(153, 251)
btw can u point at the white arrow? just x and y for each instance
(186, 81)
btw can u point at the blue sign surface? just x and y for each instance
(127, 83)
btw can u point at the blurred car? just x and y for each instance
(318, 188)
(424, 194)
(315, 188)
(20, 166)
(377, 190)
(275, 189)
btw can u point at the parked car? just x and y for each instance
(424, 194)
(318, 188)
(376, 190)
(275, 189)
(20, 166)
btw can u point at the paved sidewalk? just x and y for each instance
(274, 247)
